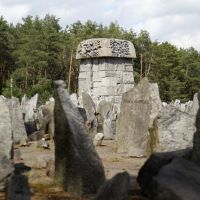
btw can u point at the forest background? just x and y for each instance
(37, 51)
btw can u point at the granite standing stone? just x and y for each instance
(78, 167)
(196, 139)
(106, 118)
(28, 107)
(90, 109)
(18, 128)
(139, 108)
(6, 134)
(48, 118)
(6, 148)
(172, 130)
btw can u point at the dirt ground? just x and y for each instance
(42, 187)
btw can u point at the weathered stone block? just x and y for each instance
(128, 77)
(78, 167)
(116, 188)
(154, 164)
(97, 84)
(102, 66)
(172, 130)
(108, 91)
(95, 68)
(5, 130)
(109, 81)
(119, 77)
(139, 106)
(122, 88)
(110, 74)
(178, 180)
(118, 99)
(103, 47)
(196, 139)
(121, 67)
(129, 68)
(85, 68)
(108, 59)
(18, 128)
(85, 75)
(110, 67)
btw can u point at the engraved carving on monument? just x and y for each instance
(119, 48)
(90, 48)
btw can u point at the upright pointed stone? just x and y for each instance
(196, 139)
(6, 149)
(139, 107)
(18, 128)
(78, 167)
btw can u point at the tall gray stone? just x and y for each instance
(78, 167)
(107, 118)
(74, 99)
(196, 139)
(28, 106)
(5, 130)
(172, 130)
(18, 128)
(90, 108)
(48, 118)
(140, 106)
(6, 149)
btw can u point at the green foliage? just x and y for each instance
(38, 51)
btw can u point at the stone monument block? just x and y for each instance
(78, 167)
(5, 130)
(110, 63)
(139, 105)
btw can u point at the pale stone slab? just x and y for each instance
(128, 77)
(95, 68)
(121, 67)
(109, 81)
(5, 130)
(138, 106)
(122, 88)
(97, 84)
(110, 67)
(129, 68)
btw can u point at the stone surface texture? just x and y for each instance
(116, 188)
(106, 68)
(172, 130)
(196, 139)
(18, 128)
(107, 114)
(104, 47)
(154, 164)
(48, 118)
(90, 108)
(78, 167)
(6, 145)
(28, 107)
(140, 106)
(98, 139)
(179, 180)
(5, 130)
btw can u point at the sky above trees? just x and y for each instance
(175, 21)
